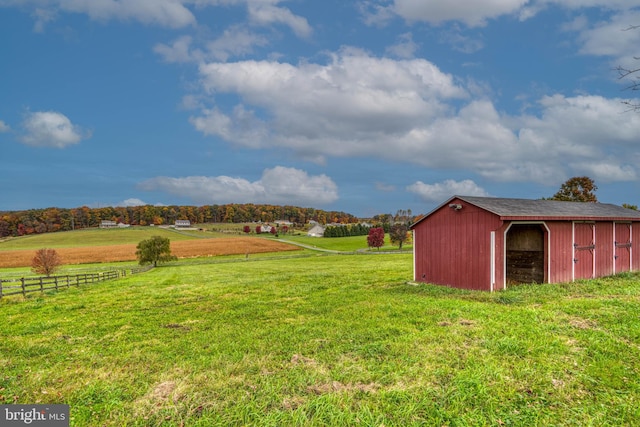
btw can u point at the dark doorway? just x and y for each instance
(525, 254)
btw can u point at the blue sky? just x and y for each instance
(365, 106)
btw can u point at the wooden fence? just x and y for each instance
(27, 285)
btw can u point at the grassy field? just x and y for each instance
(94, 237)
(345, 244)
(118, 245)
(325, 340)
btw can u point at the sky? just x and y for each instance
(363, 106)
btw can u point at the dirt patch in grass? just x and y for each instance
(181, 249)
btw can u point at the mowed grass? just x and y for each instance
(345, 244)
(326, 340)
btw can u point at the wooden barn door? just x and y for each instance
(584, 250)
(622, 246)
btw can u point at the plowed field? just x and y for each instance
(181, 249)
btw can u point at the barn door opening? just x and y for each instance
(525, 259)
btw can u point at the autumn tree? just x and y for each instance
(375, 239)
(246, 229)
(577, 189)
(399, 234)
(154, 250)
(46, 261)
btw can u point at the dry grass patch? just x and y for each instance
(181, 249)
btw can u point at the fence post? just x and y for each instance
(41, 288)
(24, 292)
(56, 281)
(0, 288)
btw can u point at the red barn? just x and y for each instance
(484, 243)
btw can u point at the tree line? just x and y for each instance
(36, 221)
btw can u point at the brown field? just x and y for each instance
(181, 249)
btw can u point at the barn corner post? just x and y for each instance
(492, 256)
(413, 249)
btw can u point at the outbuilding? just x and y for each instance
(486, 243)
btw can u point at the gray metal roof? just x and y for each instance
(549, 208)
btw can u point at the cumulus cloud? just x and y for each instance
(235, 41)
(611, 38)
(474, 13)
(478, 12)
(279, 185)
(166, 13)
(443, 190)
(409, 111)
(353, 98)
(266, 13)
(51, 129)
(4, 127)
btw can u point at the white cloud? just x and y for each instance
(612, 38)
(405, 48)
(264, 13)
(51, 129)
(443, 190)
(473, 13)
(131, 202)
(4, 127)
(235, 41)
(279, 185)
(353, 98)
(178, 51)
(408, 111)
(167, 13)
(476, 13)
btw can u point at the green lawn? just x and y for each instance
(325, 340)
(347, 244)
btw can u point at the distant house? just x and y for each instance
(316, 231)
(108, 224)
(182, 223)
(284, 222)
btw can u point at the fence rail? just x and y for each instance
(27, 285)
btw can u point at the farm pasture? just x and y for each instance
(324, 340)
(127, 252)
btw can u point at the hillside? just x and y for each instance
(38, 221)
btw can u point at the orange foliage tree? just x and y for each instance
(46, 261)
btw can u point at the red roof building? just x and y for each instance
(485, 243)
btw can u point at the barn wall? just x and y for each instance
(453, 247)
(561, 251)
